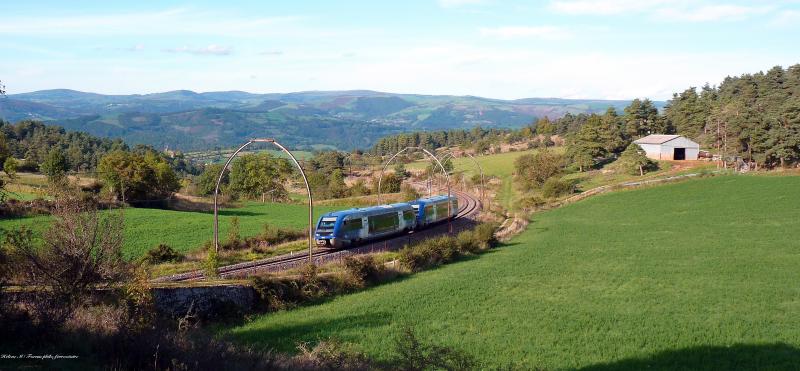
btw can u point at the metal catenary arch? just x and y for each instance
(474, 161)
(302, 173)
(433, 157)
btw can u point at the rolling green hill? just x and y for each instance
(344, 119)
(694, 275)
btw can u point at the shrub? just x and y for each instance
(211, 263)
(279, 293)
(83, 248)
(363, 269)
(555, 187)
(442, 250)
(276, 293)
(534, 169)
(332, 355)
(484, 234)
(234, 238)
(467, 242)
(412, 258)
(161, 254)
(409, 193)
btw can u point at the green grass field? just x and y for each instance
(186, 231)
(701, 274)
(499, 165)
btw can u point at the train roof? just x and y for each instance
(369, 210)
(433, 199)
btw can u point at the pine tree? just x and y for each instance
(633, 160)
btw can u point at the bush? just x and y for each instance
(161, 254)
(467, 243)
(211, 263)
(555, 187)
(234, 240)
(409, 193)
(333, 355)
(534, 169)
(363, 269)
(284, 292)
(484, 234)
(441, 250)
(276, 293)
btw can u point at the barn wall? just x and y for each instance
(652, 151)
(692, 148)
(666, 152)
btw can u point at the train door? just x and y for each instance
(409, 219)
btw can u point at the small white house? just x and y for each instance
(669, 147)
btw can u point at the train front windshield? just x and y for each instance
(326, 224)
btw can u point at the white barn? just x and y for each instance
(669, 147)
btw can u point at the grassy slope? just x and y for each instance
(624, 277)
(185, 231)
(500, 165)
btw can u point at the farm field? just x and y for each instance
(186, 231)
(700, 274)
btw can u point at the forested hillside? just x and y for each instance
(33, 141)
(341, 119)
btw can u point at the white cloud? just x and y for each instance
(458, 3)
(603, 7)
(537, 32)
(787, 18)
(711, 13)
(212, 49)
(159, 23)
(675, 10)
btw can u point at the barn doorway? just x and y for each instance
(679, 154)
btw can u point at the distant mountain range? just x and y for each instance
(187, 120)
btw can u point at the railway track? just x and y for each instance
(468, 208)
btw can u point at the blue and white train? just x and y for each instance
(351, 227)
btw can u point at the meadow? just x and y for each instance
(186, 230)
(700, 274)
(500, 165)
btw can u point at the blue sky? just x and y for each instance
(614, 49)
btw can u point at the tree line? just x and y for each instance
(753, 116)
(34, 141)
(477, 137)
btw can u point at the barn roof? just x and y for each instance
(656, 139)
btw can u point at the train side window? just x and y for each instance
(429, 212)
(408, 215)
(352, 224)
(382, 223)
(441, 209)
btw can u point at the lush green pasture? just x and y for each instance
(701, 274)
(186, 231)
(500, 165)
